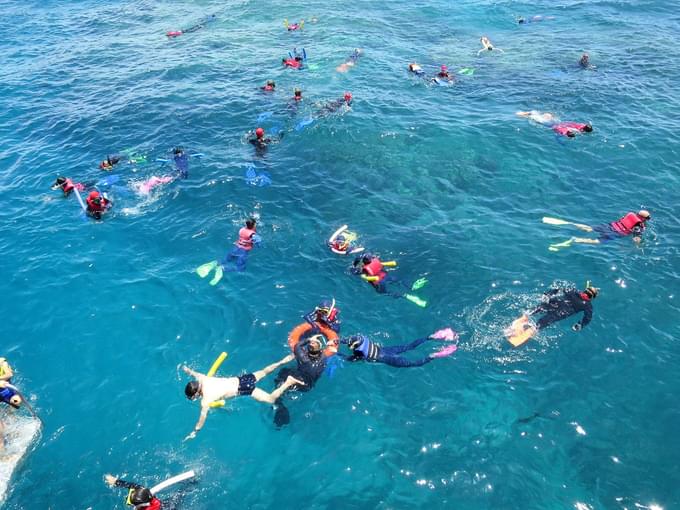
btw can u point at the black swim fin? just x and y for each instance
(281, 415)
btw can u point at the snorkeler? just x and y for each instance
(212, 389)
(261, 142)
(291, 27)
(270, 86)
(344, 242)
(138, 496)
(351, 61)
(111, 161)
(547, 119)
(193, 28)
(372, 269)
(571, 129)
(487, 46)
(145, 187)
(235, 260)
(364, 349)
(97, 204)
(534, 19)
(8, 394)
(416, 69)
(181, 159)
(311, 364)
(295, 59)
(560, 303)
(333, 106)
(444, 72)
(67, 185)
(584, 61)
(632, 224)
(297, 95)
(325, 315)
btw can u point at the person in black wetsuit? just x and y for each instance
(558, 304)
(260, 142)
(334, 106)
(311, 364)
(139, 496)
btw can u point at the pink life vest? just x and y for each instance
(563, 128)
(375, 268)
(625, 225)
(245, 239)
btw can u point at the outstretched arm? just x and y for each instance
(199, 423)
(112, 481)
(585, 320)
(192, 373)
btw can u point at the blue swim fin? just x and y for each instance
(303, 123)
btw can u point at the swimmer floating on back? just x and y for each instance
(630, 224)
(344, 242)
(364, 349)
(212, 389)
(487, 46)
(351, 61)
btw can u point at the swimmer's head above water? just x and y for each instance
(192, 390)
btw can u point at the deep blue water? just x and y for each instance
(97, 317)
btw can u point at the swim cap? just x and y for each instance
(93, 195)
(591, 292)
(191, 389)
(259, 132)
(348, 96)
(644, 214)
(444, 68)
(140, 496)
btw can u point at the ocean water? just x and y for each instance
(97, 317)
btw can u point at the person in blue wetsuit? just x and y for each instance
(560, 303)
(311, 364)
(364, 349)
(181, 160)
(325, 314)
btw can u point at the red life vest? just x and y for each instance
(563, 128)
(67, 186)
(375, 268)
(267, 88)
(245, 238)
(291, 62)
(625, 225)
(94, 207)
(155, 505)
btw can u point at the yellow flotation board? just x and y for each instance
(520, 331)
(215, 366)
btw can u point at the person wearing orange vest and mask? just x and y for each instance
(632, 224)
(97, 204)
(235, 260)
(372, 269)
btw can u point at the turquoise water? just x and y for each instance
(98, 316)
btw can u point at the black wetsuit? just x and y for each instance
(261, 144)
(155, 502)
(563, 303)
(309, 370)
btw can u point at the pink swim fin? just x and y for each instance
(446, 351)
(446, 334)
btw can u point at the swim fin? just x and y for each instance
(446, 351)
(416, 300)
(218, 275)
(419, 284)
(559, 246)
(281, 415)
(205, 269)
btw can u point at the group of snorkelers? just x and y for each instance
(97, 202)
(317, 343)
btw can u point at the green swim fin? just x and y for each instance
(559, 246)
(205, 269)
(218, 275)
(416, 300)
(419, 284)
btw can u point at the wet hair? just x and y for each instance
(177, 150)
(521, 20)
(60, 180)
(191, 389)
(587, 128)
(298, 92)
(250, 223)
(141, 496)
(571, 134)
(366, 259)
(271, 83)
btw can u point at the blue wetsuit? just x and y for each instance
(372, 352)
(6, 394)
(235, 260)
(182, 164)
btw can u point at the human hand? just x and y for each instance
(577, 326)
(190, 436)
(186, 369)
(110, 480)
